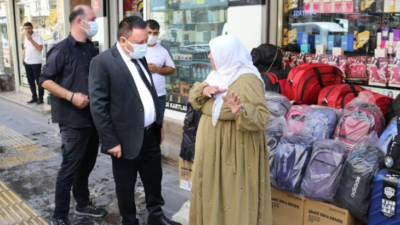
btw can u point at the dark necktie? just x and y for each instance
(151, 88)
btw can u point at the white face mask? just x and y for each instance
(152, 40)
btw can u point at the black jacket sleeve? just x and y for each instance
(99, 93)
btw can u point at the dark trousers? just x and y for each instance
(162, 101)
(79, 151)
(148, 164)
(33, 73)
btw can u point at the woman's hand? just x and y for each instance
(210, 90)
(233, 103)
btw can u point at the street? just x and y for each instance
(30, 159)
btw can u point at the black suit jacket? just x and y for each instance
(115, 104)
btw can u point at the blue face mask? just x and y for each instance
(94, 27)
(139, 51)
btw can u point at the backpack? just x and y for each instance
(267, 57)
(321, 122)
(291, 159)
(382, 101)
(275, 81)
(324, 170)
(190, 125)
(305, 82)
(360, 118)
(277, 104)
(355, 186)
(337, 96)
(273, 134)
(296, 117)
(390, 144)
(394, 109)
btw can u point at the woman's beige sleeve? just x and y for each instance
(196, 97)
(254, 115)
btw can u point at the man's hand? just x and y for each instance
(29, 36)
(116, 151)
(153, 68)
(80, 100)
(210, 90)
(233, 103)
(162, 136)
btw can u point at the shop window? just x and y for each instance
(43, 16)
(186, 29)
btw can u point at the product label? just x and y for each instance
(389, 194)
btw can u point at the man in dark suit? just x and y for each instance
(126, 112)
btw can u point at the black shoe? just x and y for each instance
(90, 210)
(161, 221)
(59, 221)
(32, 101)
(39, 102)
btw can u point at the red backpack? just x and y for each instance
(382, 101)
(337, 96)
(306, 81)
(276, 80)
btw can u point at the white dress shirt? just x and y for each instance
(32, 55)
(145, 95)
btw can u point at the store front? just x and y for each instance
(361, 37)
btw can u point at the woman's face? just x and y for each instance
(212, 62)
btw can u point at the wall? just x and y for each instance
(248, 23)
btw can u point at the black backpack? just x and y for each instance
(355, 185)
(267, 57)
(191, 123)
(392, 159)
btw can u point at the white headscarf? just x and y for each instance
(231, 60)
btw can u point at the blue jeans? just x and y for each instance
(163, 101)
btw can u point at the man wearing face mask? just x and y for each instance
(160, 63)
(126, 112)
(65, 75)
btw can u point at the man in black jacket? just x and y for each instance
(65, 75)
(126, 112)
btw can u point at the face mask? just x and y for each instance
(152, 40)
(94, 27)
(139, 51)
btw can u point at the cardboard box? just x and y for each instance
(287, 209)
(185, 174)
(319, 213)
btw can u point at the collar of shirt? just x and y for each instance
(125, 57)
(74, 41)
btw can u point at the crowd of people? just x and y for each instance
(118, 97)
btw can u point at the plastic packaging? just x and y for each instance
(355, 186)
(277, 104)
(360, 118)
(320, 122)
(291, 159)
(324, 169)
(296, 117)
(273, 133)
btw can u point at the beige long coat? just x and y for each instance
(231, 180)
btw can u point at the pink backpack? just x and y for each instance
(357, 122)
(295, 118)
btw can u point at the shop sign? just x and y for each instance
(99, 8)
(300, 13)
(245, 2)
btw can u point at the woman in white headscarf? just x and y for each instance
(231, 183)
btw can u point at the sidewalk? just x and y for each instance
(30, 156)
(22, 99)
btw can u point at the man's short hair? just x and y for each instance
(154, 25)
(79, 11)
(126, 26)
(28, 24)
